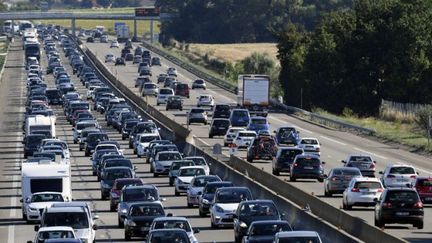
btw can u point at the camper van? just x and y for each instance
(45, 176)
(40, 124)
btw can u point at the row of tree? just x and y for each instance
(380, 49)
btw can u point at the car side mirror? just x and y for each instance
(36, 228)
(95, 227)
(196, 231)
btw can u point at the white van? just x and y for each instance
(40, 123)
(45, 176)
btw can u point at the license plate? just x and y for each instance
(308, 168)
(402, 213)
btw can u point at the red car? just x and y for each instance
(117, 187)
(182, 89)
(423, 185)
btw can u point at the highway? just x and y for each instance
(336, 145)
(85, 187)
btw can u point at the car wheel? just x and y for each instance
(275, 172)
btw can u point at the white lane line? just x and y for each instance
(333, 140)
(367, 152)
(285, 122)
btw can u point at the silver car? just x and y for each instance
(150, 89)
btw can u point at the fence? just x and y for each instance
(394, 111)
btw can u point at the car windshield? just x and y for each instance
(76, 220)
(172, 224)
(258, 121)
(233, 196)
(367, 185)
(402, 170)
(268, 229)
(342, 172)
(299, 239)
(402, 196)
(49, 197)
(147, 139)
(191, 172)
(139, 194)
(309, 141)
(112, 175)
(169, 236)
(146, 210)
(176, 166)
(169, 156)
(201, 182)
(258, 209)
(55, 234)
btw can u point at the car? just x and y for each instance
(200, 161)
(244, 138)
(110, 175)
(221, 111)
(109, 58)
(310, 145)
(175, 223)
(423, 186)
(162, 162)
(263, 231)
(163, 95)
(284, 158)
(239, 117)
(114, 44)
(185, 176)
(225, 203)
(205, 100)
(54, 232)
(168, 235)
(362, 191)
(253, 210)
(205, 200)
(155, 61)
(197, 115)
(219, 127)
(307, 166)
(196, 187)
(136, 193)
(120, 61)
(150, 89)
(364, 162)
(287, 136)
(175, 167)
(257, 124)
(297, 236)
(37, 202)
(137, 59)
(174, 102)
(182, 89)
(398, 175)
(117, 187)
(90, 39)
(139, 217)
(338, 180)
(401, 206)
(262, 147)
(199, 84)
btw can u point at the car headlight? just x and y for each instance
(243, 225)
(131, 223)
(219, 209)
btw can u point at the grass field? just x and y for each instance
(234, 52)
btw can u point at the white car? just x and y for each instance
(398, 175)
(115, 44)
(205, 100)
(200, 161)
(54, 232)
(225, 203)
(175, 223)
(144, 141)
(297, 236)
(231, 134)
(185, 176)
(150, 89)
(109, 58)
(90, 91)
(196, 188)
(310, 145)
(362, 191)
(163, 95)
(244, 138)
(37, 202)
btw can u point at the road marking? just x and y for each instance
(376, 155)
(333, 140)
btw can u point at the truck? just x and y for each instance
(40, 124)
(123, 33)
(45, 176)
(253, 93)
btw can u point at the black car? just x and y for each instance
(399, 205)
(32, 143)
(219, 127)
(139, 217)
(284, 158)
(120, 61)
(307, 167)
(262, 147)
(264, 231)
(174, 102)
(207, 195)
(127, 127)
(108, 177)
(253, 210)
(93, 140)
(221, 111)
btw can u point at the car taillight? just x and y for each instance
(386, 205)
(391, 176)
(418, 205)
(355, 190)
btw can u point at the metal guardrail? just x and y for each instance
(232, 88)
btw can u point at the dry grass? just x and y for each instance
(234, 52)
